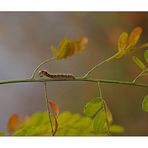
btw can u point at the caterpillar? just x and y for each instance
(56, 75)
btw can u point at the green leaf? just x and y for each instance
(36, 119)
(145, 103)
(99, 121)
(2, 134)
(146, 56)
(144, 45)
(93, 106)
(138, 62)
(122, 41)
(116, 129)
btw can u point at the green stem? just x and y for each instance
(37, 68)
(99, 64)
(47, 106)
(138, 76)
(76, 79)
(145, 74)
(99, 88)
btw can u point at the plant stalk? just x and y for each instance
(29, 80)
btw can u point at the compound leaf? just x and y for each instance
(68, 48)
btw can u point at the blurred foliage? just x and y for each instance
(145, 103)
(69, 125)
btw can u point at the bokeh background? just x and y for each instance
(25, 40)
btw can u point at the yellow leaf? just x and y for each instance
(134, 37)
(54, 51)
(63, 49)
(13, 123)
(122, 42)
(127, 44)
(68, 48)
(108, 114)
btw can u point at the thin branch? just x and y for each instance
(99, 64)
(37, 68)
(76, 79)
(138, 76)
(47, 106)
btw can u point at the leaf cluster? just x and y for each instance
(69, 125)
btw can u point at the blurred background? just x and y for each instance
(25, 40)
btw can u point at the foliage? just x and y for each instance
(102, 117)
(128, 44)
(68, 47)
(99, 120)
(69, 124)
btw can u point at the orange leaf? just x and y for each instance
(134, 36)
(122, 41)
(54, 107)
(13, 123)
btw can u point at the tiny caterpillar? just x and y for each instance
(56, 75)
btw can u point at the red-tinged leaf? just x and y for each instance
(54, 107)
(134, 37)
(13, 123)
(122, 41)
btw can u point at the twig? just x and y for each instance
(47, 106)
(76, 79)
(42, 63)
(99, 64)
(138, 76)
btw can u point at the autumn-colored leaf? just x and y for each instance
(134, 36)
(54, 107)
(128, 44)
(13, 123)
(68, 47)
(122, 41)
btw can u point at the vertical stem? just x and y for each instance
(37, 68)
(99, 88)
(105, 109)
(47, 106)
